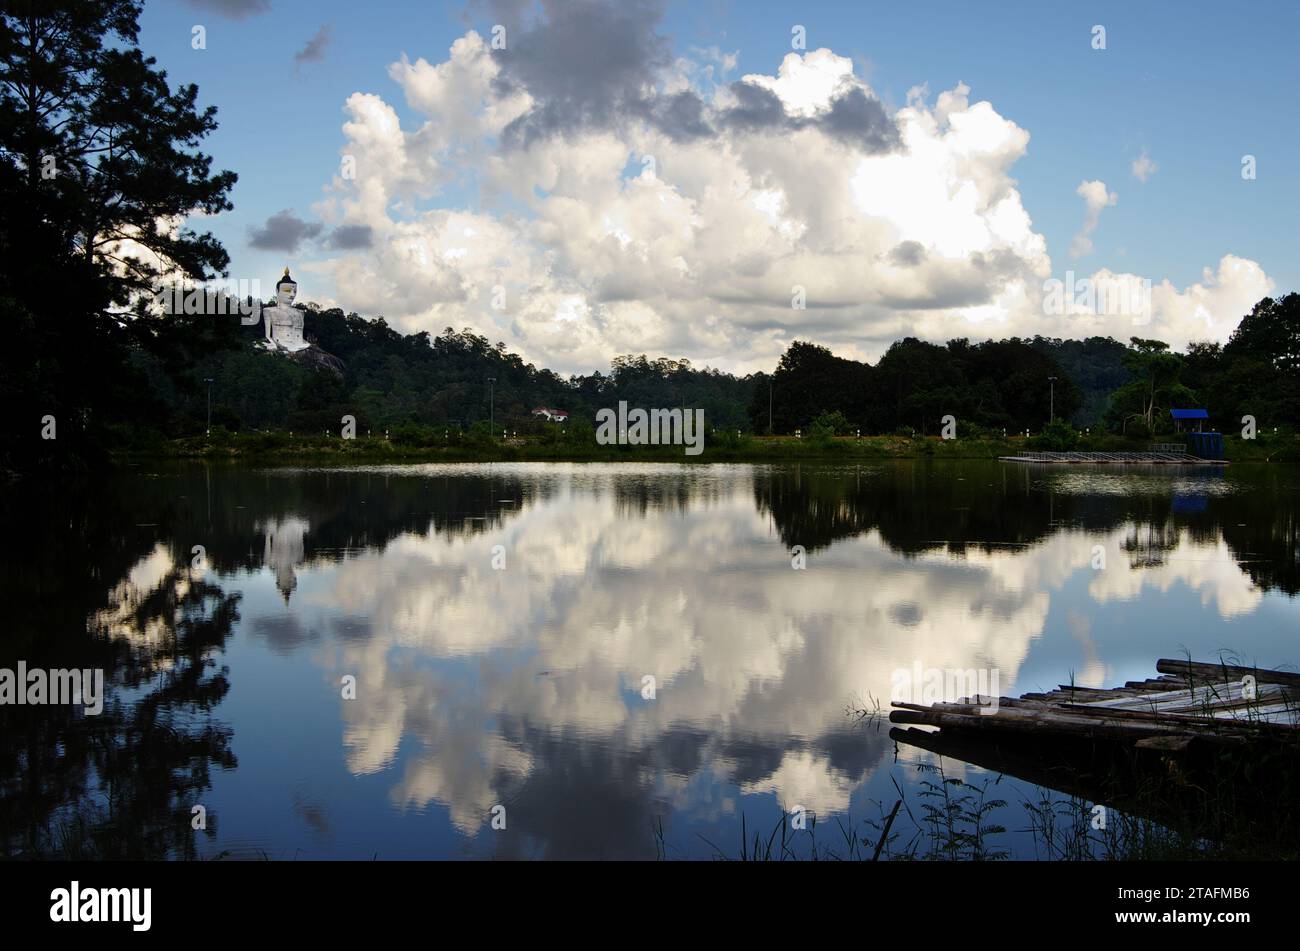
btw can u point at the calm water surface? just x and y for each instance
(501, 622)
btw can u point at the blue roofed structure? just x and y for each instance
(1200, 442)
(1189, 420)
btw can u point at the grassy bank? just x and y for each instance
(286, 448)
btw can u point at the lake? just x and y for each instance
(601, 661)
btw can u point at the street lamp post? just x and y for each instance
(491, 403)
(208, 381)
(1052, 410)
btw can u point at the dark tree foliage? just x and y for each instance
(995, 384)
(808, 381)
(1270, 333)
(1095, 366)
(668, 383)
(1010, 385)
(1100, 382)
(98, 156)
(917, 383)
(1142, 406)
(450, 381)
(1257, 373)
(438, 383)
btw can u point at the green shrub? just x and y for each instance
(1057, 436)
(482, 434)
(832, 423)
(413, 434)
(1137, 429)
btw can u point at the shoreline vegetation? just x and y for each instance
(452, 447)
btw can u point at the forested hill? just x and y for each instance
(394, 380)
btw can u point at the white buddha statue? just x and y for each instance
(282, 321)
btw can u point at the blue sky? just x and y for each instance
(1193, 85)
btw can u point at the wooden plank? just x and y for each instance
(1267, 694)
(1037, 722)
(1286, 713)
(1177, 698)
(1205, 672)
(1076, 718)
(1153, 685)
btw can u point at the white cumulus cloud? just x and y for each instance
(1095, 199)
(679, 216)
(1144, 167)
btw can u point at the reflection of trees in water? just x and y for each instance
(915, 507)
(98, 576)
(918, 507)
(236, 513)
(638, 494)
(120, 784)
(1271, 558)
(155, 761)
(1148, 543)
(1263, 535)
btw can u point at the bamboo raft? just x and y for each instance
(1189, 701)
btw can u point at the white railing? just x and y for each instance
(1177, 454)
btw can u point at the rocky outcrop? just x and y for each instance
(316, 358)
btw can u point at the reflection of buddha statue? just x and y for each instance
(284, 551)
(282, 321)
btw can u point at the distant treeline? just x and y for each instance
(418, 386)
(395, 380)
(1007, 384)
